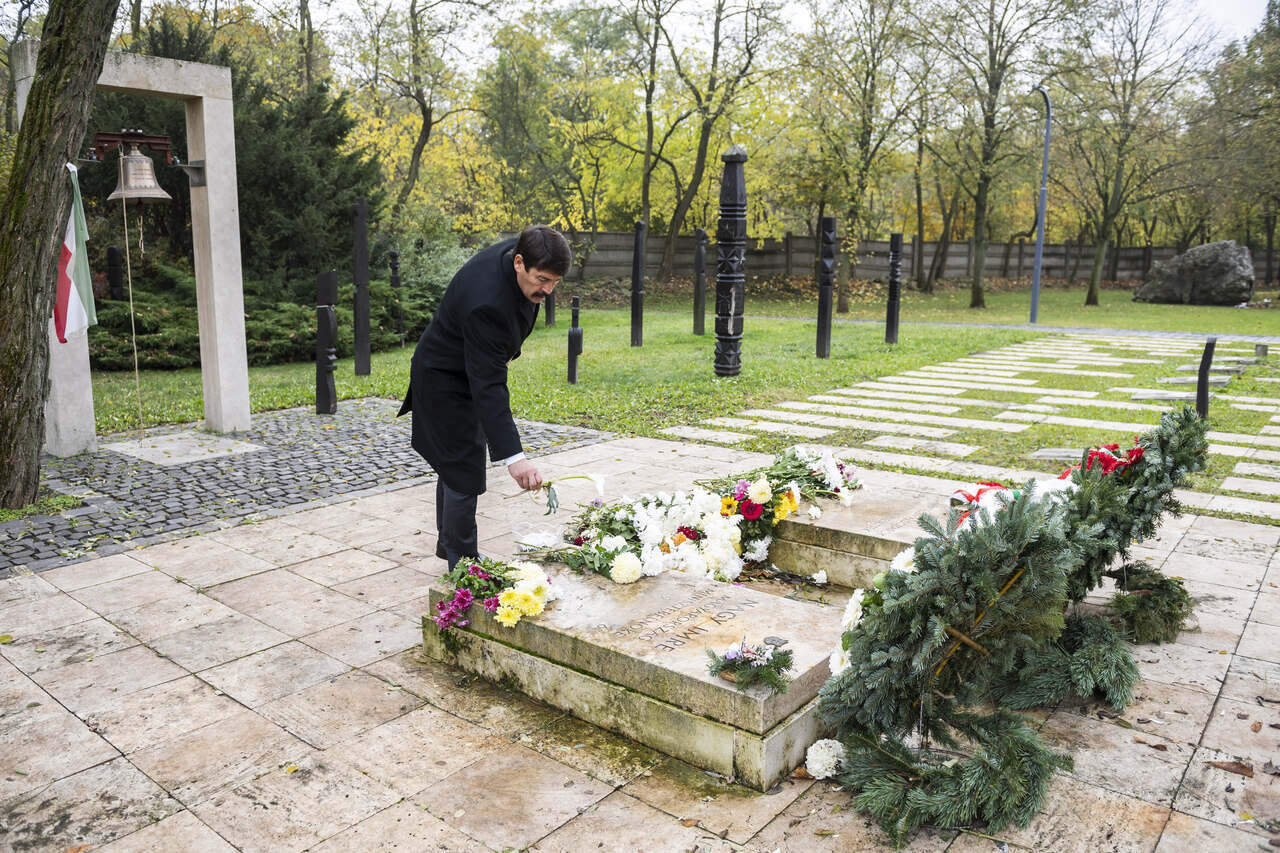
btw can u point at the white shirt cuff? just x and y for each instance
(511, 460)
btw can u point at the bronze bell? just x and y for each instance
(138, 178)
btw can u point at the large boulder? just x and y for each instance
(1213, 274)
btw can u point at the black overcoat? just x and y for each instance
(458, 376)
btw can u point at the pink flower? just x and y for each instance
(462, 598)
(491, 604)
(740, 490)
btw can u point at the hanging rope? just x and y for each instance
(128, 274)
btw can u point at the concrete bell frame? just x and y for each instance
(215, 226)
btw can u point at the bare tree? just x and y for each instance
(990, 45)
(33, 216)
(1122, 113)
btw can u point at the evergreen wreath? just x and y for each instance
(746, 665)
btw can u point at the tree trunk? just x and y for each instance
(976, 299)
(415, 159)
(917, 260)
(1270, 223)
(33, 215)
(1095, 274)
(667, 269)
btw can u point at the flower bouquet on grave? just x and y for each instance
(510, 591)
(746, 665)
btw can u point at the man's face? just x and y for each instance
(535, 284)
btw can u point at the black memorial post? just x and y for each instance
(700, 282)
(361, 279)
(326, 342)
(895, 289)
(393, 258)
(1202, 381)
(575, 343)
(115, 272)
(731, 247)
(826, 280)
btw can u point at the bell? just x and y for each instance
(138, 178)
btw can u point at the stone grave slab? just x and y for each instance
(1156, 394)
(1234, 369)
(1194, 380)
(632, 659)
(181, 448)
(1056, 454)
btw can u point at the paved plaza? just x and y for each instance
(253, 679)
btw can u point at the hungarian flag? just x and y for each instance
(74, 309)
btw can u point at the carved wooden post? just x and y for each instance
(637, 287)
(1202, 385)
(895, 289)
(575, 344)
(731, 246)
(699, 281)
(361, 279)
(326, 342)
(549, 304)
(788, 249)
(115, 272)
(826, 278)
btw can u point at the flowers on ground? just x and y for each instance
(824, 758)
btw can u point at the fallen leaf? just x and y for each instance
(689, 821)
(1137, 739)
(801, 773)
(6, 639)
(292, 768)
(1159, 747)
(824, 833)
(79, 848)
(1238, 767)
(1256, 727)
(1242, 716)
(1144, 720)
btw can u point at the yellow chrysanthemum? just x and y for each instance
(528, 604)
(781, 511)
(507, 616)
(508, 597)
(728, 506)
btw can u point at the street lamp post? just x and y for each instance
(1044, 191)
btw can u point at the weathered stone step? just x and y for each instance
(632, 659)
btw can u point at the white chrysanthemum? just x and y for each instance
(613, 543)
(815, 512)
(846, 496)
(824, 758)
(819, 577)
(758, 550)
(852, 611)
(759, 491)
(626, 568)
(904, 562)
(839, 660)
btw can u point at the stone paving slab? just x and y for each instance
(913, 417)
(901, 442)
(850, 423)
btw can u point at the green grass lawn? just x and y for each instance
(1060, 305)
(670, 381)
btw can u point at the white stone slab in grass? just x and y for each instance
(1243, 438)
(1123, 405)
(910, 417)
(1068, 362)
(1271, 429)
(1028, 386)
(1057, 454)
(1216, 380)
(1088, 357)
(1255, 487)
(975, 471)
(1254, 407)
(1158, 394)
(1255, 453)
(906, 442)
(898, 386)
(957, 374)
(1233, 369)
(1033, 407)
(693, 433)
(772, 427)
(908, 393)
(1268, 378)
(1256, 469)
(1240, 398)
(850, 423)
(966, 364)
(181, 448)
(901, 405)
(992, 372)
(1083, 423)
(1228, 503)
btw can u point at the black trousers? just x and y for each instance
(455, 524)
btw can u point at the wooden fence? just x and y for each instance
(795, 255)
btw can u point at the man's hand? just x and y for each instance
(526, 474)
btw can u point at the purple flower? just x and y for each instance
(442, 605)
(740, 490)
(462, 599)
(597, 502)
(491, 604)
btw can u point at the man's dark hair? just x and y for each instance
(544, 248)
